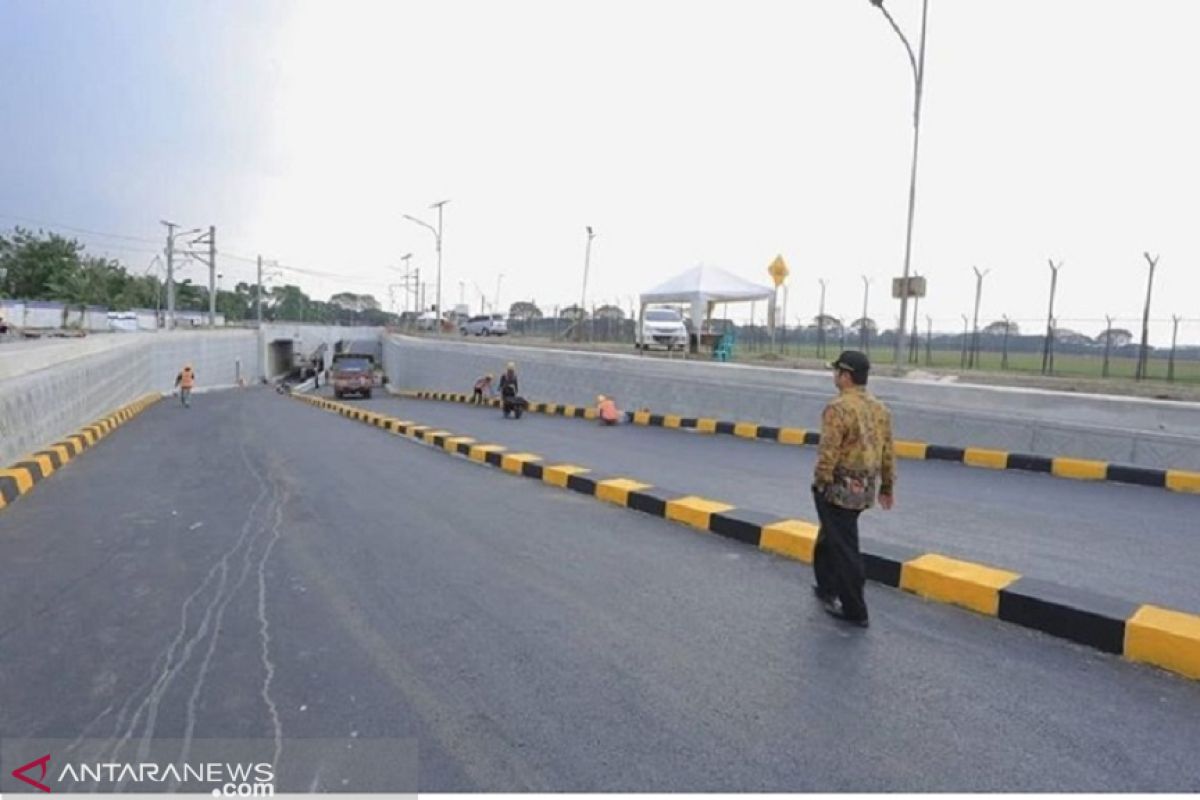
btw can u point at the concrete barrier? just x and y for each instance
(51, 387)
(1165, 637)
(1134, 431)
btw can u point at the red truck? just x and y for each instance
(353, 374)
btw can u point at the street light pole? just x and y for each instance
(437, 235)
(918, 67)
(441, 311)
(587, 262)
(914, 355)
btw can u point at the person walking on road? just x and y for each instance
(186, 381)
(856, 455)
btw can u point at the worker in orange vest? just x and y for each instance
(186, 380)
(606, 410)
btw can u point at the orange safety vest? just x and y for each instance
(187, 378)
(608, 411)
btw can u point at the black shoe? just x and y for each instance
(834, 609)
(821, 594)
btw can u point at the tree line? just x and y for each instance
(36, 265)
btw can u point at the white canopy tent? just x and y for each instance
(702, 287)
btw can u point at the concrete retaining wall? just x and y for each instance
(1150, 433)
(52, 387)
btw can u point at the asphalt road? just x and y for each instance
(254, 567)
(1133, 542)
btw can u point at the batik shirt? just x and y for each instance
(856, 452)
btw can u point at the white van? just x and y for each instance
(662, 327)
(484, 325)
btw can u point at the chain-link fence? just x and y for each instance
(1091, 348)
(1105, 348)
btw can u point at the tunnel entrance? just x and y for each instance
(281, 357)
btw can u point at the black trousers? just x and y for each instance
(837, 561)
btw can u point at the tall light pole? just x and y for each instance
(496, 307)
(587, 262)
(864, 334)
(1144, 350)
(437, 235)
(918, 67)
(975, 327)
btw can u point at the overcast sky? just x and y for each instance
(683, 132)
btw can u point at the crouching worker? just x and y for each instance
(482, 385)
(606, 410)
(510, 401)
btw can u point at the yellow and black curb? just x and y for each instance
(19, 478)
(982, 457)
(1140, 632)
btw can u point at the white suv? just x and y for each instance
(662, 327)
(485, 325)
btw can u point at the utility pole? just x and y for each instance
(210, 259)
(587, 261)
(258, 294)
(170, 321)
(496, 307)
(409, 293)
(212, 276)
(1048, 346)
(975, 327)
(1143, 365)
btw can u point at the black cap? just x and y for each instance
(852, 361)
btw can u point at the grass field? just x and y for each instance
(1187, 370)
(1072, 371)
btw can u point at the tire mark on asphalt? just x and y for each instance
(202, 672)
(172, 666)
(264, 626)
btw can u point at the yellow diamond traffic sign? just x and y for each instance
(778, 270)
